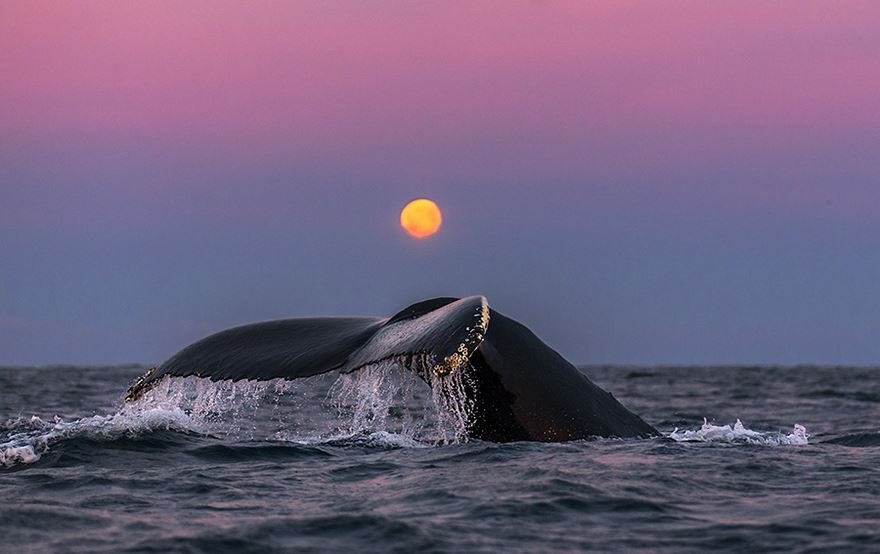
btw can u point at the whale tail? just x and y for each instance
(438, 335)
(520, 388)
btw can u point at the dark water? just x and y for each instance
(371, 465)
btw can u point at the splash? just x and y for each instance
(381, 405)
(454, 405)
(388, 398)
(217, 407)
(739, 434)
(364, 401)
(382, 400)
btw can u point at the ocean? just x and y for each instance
(753, 459)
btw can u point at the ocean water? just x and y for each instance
(787, 459)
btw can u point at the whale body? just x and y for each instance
(519, 388)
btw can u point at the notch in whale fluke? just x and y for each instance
(443, 333)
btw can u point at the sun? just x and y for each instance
(421, 218)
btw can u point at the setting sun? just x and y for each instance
(421, 218)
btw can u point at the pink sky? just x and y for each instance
(329, 75)
(620, 143)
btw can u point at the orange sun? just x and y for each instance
(421, 218)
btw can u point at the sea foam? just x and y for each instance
(32, 438)
(740, 434)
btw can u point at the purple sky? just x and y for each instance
(639, 182)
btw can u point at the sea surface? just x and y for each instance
(788, 459)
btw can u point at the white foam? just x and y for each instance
(18, 454)
(386, 439)
(28, 445)
(739, 434)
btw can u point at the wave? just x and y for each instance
(857, 440)
(368, 439)
(740, 434)
(149, 427)
(27, 440)
(859, 396)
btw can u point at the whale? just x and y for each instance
(518, 388)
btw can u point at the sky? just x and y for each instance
(638, 182)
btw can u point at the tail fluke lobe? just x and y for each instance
(287, 348)
(441, 333)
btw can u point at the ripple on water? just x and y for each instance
(182, 475)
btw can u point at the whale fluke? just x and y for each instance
(444, 331)
(521, 389)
